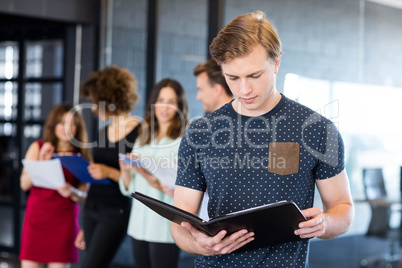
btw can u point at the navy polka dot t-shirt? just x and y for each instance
(251, 161)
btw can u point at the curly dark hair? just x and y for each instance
(115, 86)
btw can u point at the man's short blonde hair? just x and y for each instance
(241, 35)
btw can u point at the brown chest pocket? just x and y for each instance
(283, 158)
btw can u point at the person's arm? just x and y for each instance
(79, 241)
(101, 171)
(338, 210)
(193, 241)
(151, 179)
(31, 154)
(125, 175)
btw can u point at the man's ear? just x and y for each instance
(218, 89)
(277, 64)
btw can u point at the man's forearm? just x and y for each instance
(183, 239)
(338, 220)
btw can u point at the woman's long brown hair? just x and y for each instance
(55, 116)
(179, 122)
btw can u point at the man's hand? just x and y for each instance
(219, 244)
(315, 224)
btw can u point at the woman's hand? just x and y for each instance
(123, 166)
(64, 191)
(168, 190)
(46, 151)
(98, 171)
(80, 240)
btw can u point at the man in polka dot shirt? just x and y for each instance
(260, 148)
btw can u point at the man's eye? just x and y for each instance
(232, 78)
(255, 76)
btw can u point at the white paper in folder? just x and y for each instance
(46, 174)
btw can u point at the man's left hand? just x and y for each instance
(315, 224)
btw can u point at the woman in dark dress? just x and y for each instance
(113, 92)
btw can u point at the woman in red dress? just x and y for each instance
(51, 216)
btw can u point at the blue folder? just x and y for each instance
(78, 166)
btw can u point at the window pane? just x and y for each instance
(8, 129)
(8, 100)
(31, 134)
(44, 59)
(40, 98)
(6, 180)
(32, 131)
(8, 60)
(365, 115)
(8, 148)
(6, 227)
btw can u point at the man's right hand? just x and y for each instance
(218, 244)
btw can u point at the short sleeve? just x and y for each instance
(331, 153)
(189, 173)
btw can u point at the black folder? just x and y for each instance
(272, 224)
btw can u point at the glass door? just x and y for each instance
(32, 82)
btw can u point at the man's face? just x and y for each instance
(206, 93)
(252, 81)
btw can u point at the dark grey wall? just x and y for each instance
(62, 10)
(181, 44)
(129, 33)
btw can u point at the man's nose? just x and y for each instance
(245, 87)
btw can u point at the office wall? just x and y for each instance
(181, 42)
(62, 10)
(128, 41)
(183, 45)
(345, 40)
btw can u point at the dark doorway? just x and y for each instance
(33, 76)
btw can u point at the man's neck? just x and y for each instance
(223, 101)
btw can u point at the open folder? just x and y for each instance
(165, 173)
(78, 166)
(272, 224)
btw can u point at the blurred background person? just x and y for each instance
(164, 124)
(213, 92)
(51, 217)
(113, 92)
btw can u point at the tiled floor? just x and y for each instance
(11, 261)
(344, 252)
(8, 261)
